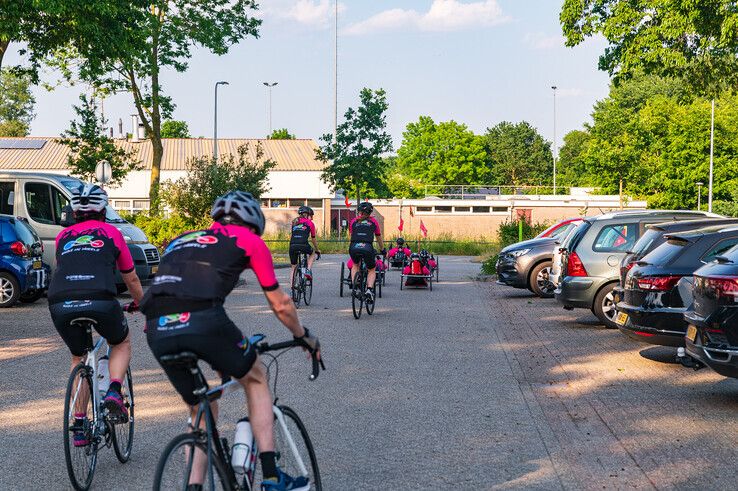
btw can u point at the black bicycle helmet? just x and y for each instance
(241, 206)
(365, 207)
(424, 254)
(305, 209)
(400, 241)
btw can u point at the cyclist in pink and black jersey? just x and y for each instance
(303, 230)
(363, 229)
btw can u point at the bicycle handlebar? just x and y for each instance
(318, 364)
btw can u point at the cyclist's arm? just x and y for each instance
(312, 236)
(127, 269)
(284, 308)
(134, 285)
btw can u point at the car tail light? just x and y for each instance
(725, 287)
(19, 248)
(658, 283)
(574, 266)
(630, 265)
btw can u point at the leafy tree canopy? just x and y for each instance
(193, 196)
(442, 153)
(89, 145)
(16, 104)
(175, 129)
(281, 134)
(518, 154)
(355, 154)
(696, 41)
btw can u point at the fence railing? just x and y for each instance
(482, 192)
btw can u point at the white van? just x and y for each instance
(40, 197)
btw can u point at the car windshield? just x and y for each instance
(111, 216)
(25, 233)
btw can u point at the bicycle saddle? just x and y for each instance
(186, 358)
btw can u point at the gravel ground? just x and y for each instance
(471, 386)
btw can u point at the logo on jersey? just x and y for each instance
(182, 318)
(200, 237)
(84, 240)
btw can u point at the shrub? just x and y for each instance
(508, 231)
(161, 230)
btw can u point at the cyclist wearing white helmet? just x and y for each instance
(184, 312)
(83, 285)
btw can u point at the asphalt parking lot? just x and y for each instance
(471, 386)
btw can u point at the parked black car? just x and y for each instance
(712, 334)
(653, 237)
(658, 289)
(527, 264)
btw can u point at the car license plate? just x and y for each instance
(154, 269)
(691, 333)
(37, 264)
(621, 319)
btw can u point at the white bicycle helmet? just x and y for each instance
(89, 198)
(241, 206)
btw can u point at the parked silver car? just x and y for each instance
(591, 257)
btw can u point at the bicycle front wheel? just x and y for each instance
(178, 468)
(292, 428)
(81, 458)
(122, 431)
(307, 293)
(296, 284)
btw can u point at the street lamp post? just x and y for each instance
(712, 147)
(699, 195)
(215, 121)
(269, 86)
(556, 151)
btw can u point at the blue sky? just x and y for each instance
(477, 62)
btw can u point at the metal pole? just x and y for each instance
(335, 74)
(269, 86)
(699, 195)
(215, 121)
(712, 147)
(556, 151)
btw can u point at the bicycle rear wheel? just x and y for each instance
(370, 305)
(307, 291)
(343, 276)
(357, 297)
(286, 458)
(81, 461)
(296, 284)
(122, 431)
(174, 468)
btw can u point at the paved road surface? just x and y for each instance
(471, 386)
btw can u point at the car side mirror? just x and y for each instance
(67, 216)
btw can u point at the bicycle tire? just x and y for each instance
(304, 446)
(123, 446)
(343, 281)
(430, 282)
(307, 292)
(163, 482)
(370, 306)
(438, 264)
(379, 286)
(357, 296)
(88, 453)
(296, 282)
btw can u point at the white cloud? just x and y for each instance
(443, 15)
(569, 93)
(313, 13)
(539, 40)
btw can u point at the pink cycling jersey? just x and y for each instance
(260, 258)
(393, 252)
(95, 228)
(380, 265)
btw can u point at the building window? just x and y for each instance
(443, 209)
(265, 203)
(279, 203)
(462, 209)
(480, 209)
(315, 203)
(424, 209)
(122, 204)
(140, 204)
(499, 209)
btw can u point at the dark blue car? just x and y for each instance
(23, 275)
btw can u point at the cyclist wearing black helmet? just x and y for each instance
(184, 312)
(363, 229)
(303, 230)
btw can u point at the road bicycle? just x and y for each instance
(358, 292)
(302, 286)
(85, 395)
(294, 449)
(345, 276)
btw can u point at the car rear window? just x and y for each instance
(24, 233)
(666, 252)
(647, 241)
(616, 238)
(573, 238)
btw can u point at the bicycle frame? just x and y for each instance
(91, 364)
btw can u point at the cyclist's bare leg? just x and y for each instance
(354, 270)
(311, 260)
(260, 406)
(120, 357)
(80, 407)
(292, 276)
(371, 277)
(199, 466)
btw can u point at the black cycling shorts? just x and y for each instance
(111, 323)
(296, 249)
(365, 251)
(208, 333)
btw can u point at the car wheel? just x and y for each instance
(604, 307)
(540, 281)
(31, 296)
(9, 290)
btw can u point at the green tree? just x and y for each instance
(281, 134)
(518, 154)
(16, 104)
(695, 41)
(442, 153)
(192, 196)
(572, 164)
(175, 129)
(354, 156)
(89, 145)
(158, 35)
